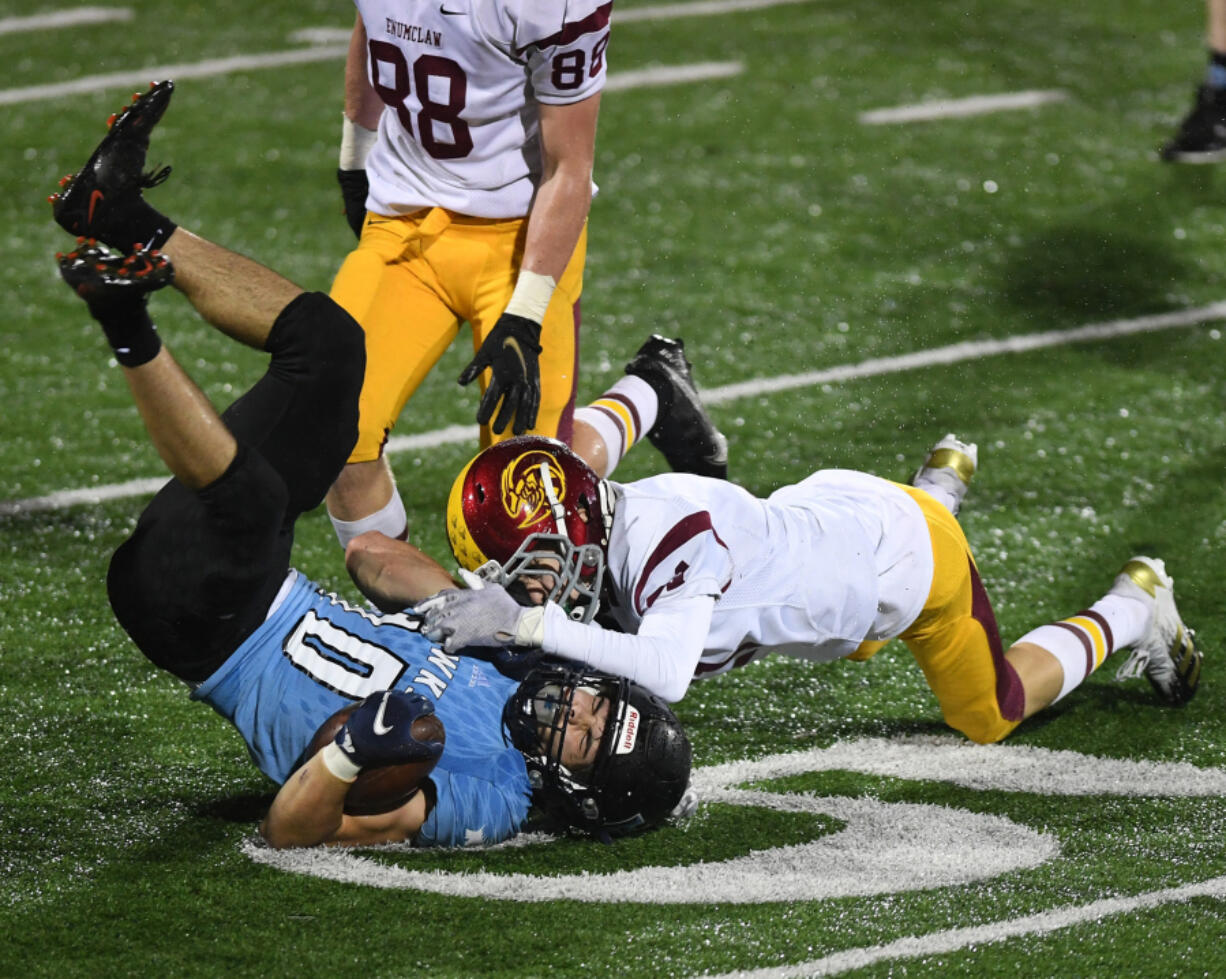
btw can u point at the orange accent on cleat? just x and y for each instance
(110, 120)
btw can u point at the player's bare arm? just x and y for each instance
(308, 811)
(393, 573)
(362, 105)
(568, 145)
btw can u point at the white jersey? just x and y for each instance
(461, 81)
(812, 571)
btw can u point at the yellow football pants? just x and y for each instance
(955, 639)
(414, 279)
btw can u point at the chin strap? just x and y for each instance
(608, 496)
(555, 505)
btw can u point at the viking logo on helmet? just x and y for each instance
(524, 493)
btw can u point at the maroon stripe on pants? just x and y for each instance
(1010, 695)
(566, 420)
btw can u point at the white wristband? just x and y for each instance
(531, 296)
(338, 763)
(356, 142)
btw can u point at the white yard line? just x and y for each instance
(952, 354)
(139, 78)
(329, 44)
(620, 81)
(956, 939)
(974, 105)
(64, 18)
(669, 11)
(703, 8)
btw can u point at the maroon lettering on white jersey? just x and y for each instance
(680, 534)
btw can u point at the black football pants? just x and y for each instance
(202, 566)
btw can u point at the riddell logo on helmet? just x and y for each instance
(523, 487)
(629, 732)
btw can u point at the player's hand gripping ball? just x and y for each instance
(397, 740)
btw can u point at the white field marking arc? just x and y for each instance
(952, 354)
(957, 939)
(875, 851)
(974, 105)
(64, 18)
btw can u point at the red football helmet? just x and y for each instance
(530, 504)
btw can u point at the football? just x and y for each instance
(377, 790)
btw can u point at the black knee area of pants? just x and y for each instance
(199, 572)
(302, 415)
(314, 337)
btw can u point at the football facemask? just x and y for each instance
(549, 568)
(640, 771)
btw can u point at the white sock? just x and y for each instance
(391, 520)
(1083, 641)
(621, 416)
(944, 486)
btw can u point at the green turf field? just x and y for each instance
(756, 216)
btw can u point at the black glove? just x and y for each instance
(354, 188)
(379, 732)
(510, 351)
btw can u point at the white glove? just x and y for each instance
(461, 617)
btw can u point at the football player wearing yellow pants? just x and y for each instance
(698, 577)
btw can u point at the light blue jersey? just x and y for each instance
(317, 653)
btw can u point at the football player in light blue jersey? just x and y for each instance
(204, 587)
(317, 653)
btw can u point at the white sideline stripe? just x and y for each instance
(64, 18)
(956, 939)
(952, 354)
(972, 106)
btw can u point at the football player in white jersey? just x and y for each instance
(698, 576)
(466, 165)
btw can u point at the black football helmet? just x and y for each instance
(642, 767)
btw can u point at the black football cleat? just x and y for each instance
(683, 433)
(92, 201)
(109, 281)
(1202, 134)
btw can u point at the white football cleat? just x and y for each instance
(1166, 655)
(947, 471)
